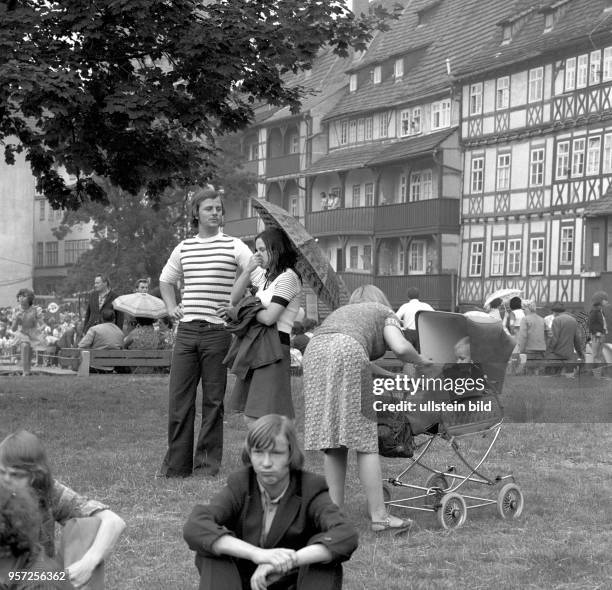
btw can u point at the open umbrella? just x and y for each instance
(141, 305)
(503, 294)
(312, 264)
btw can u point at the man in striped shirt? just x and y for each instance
(208, 263)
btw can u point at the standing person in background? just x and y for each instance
(100, 298)
(565, 344)
(407, 315)
(512, 319)
(494, 308)
(208, 263)
(27, 326)
(532, 337)
(598, 326)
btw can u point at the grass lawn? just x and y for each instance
(106, 437)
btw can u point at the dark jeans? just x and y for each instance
(234, 574)
(198, 354)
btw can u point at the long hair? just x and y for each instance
(262, 435)
(28, 294)
(282, 254)
(20, 522)
(369, 294)
(23, 450)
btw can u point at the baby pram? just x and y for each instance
(443, 414)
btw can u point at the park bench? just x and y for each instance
(80, 360)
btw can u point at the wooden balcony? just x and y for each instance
(251, 166)
(437, 290)
(243, 228)
(283, 165)
(422, 217)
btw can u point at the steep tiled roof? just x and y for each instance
(578, 20)
(345, 159)
(410, 148)
(451, 30)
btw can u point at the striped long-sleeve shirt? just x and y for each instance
(208, 267)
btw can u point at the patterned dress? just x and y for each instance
(338, 377)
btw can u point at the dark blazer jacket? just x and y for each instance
(596, 320)
(565, 338)
(93, 315)
(305, 516)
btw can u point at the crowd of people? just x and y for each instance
(273, 525)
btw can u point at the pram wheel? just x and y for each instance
(510, 501)
(452, 511)
(438, 481)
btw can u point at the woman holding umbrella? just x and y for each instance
(271, 271)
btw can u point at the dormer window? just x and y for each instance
(353, 82)
(506, 34)
(398, 70)
(549, 21)
(377, 75)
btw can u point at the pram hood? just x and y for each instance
(491, 347)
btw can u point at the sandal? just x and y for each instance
(379, 526)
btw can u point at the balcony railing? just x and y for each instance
(430, 216)
(243, 228)
(437, 290)
(283, 165)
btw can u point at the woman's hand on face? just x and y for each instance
(254, 262)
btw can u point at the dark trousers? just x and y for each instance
(198, 354)
(235, 574)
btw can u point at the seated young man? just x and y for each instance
(273, 525)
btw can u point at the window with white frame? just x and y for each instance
(405, 122)
(353, 82)
(502, 93)
(356, 195)
(503, 172)
(403, 188)
(595, 67)
(398, 69)
(476, 99)
(294, 143)
(401, 261)
(415, 186)
(360, 129)
(254, 151)
(578, 157)
(383, 124)
(41, 204)
(593, 155)
(426, 184)
(607, 64)
(582, 71)
(354, 257)
(536, 167)
(50, 213)
(477, 174)
(415, 123)
(562, 168)
(607, 153)
(536, 84)
(352, 131)
(367, 258)
(416, 257)
(369, 194)
(51, 254)
(549, 21)
(476, 249)
(536, 256)
(293, 205)
(567, 245)
(369, 126)
(498, 257)
(377, 75)
(40, 254)
(344, 132)
(440, 114)
(570, 73)
(514, 256)
(410, 121)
